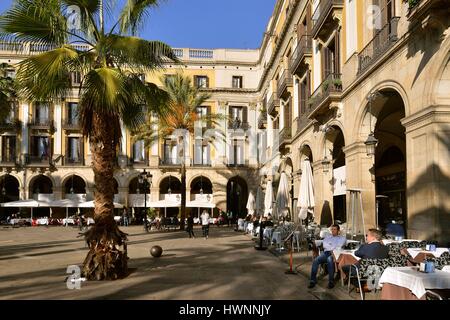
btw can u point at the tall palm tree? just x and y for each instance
(179, 112)
(110, 63)
(7, 92)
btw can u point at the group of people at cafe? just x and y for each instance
(372, 249)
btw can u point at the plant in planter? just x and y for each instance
(337, 83)
(413, 3)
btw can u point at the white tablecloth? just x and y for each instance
(338, 252)
(42, 221)
(417, 282)
(446, 268)
(388, 241)
(413, 252)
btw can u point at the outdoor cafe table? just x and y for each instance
(408, 283)
(419, 255)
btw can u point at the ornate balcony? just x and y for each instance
(285, 137)
(8, 160)
(262, 119)
(324, 16)
(41, 124)
(284, 82)
(381, 42)
(329, 91)
(273, 103)
(71, 124)
(429, 12)
(302, 51)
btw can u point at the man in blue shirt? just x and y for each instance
(330, 243)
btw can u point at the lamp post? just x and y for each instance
(145, 179)
(371, 142)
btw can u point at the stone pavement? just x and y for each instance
(34, 260)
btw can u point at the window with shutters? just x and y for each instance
(237, 82)
(238, 117)
(74, 150)
(40, 148)
(76, 78)
(72, 113)
(203, 114)
(330, 59)
(236, 154)
(139, 152)
(8, 148)
(41, 113)
(383, 15)
(170, 152)
(202, 152)
(201, 81)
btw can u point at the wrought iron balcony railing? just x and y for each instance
(383, 40)
(284, 82)
(273, 103)
(331, 87)
(322, 12)
(303, 49)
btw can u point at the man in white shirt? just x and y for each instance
(330, 243)
(205, 223)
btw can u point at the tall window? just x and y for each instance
(238, 116)
(384, 15)
(42, 113)
(139, 151)
(237, 155)
(202, 112)
(40, 147)
(201, 81)
(74, 149)
(8, 148)
(170, 152)
(76, 78)
(72, 113)
(202, 152)
(237, 81)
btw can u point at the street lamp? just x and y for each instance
(371, 142)
(326, 164)
(145, 179)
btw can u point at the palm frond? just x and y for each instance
(139, 54)
(47, 75)
(133, 15)
(37, 21)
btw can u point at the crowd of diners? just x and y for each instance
(373, 248)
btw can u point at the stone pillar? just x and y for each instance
(58, 192)
(428, 174)
(359, 176)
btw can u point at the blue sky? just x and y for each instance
(205, 23)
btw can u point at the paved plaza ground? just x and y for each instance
(34, 260)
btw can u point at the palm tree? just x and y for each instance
(179, 113)
(7, 92)
(110, 63)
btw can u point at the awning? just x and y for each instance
(90, 204)
(200, 204)
(163, 204)
(29, 203)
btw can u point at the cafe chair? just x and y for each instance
(369, 272)
(437, 294)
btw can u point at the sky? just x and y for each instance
(206, 24)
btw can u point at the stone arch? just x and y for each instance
(66, 177)
(36, 176)
(361, 128)
(164, 176)
(67, 180)
(191, 179)
(440, 71)
(9, 188)
(15, 176)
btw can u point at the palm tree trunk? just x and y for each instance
(183, 196)
(104, 260)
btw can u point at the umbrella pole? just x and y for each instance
(31, 215)
(67, 216)
(291, 258)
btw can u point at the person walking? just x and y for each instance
(205, 223)
(125, 217)
(190, 226)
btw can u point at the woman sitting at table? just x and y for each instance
(373, 249)
(330, 243)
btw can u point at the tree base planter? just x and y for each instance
(105, 261)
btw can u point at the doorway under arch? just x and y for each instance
(237, 196)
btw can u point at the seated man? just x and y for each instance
(330, 243)
(373, 249)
